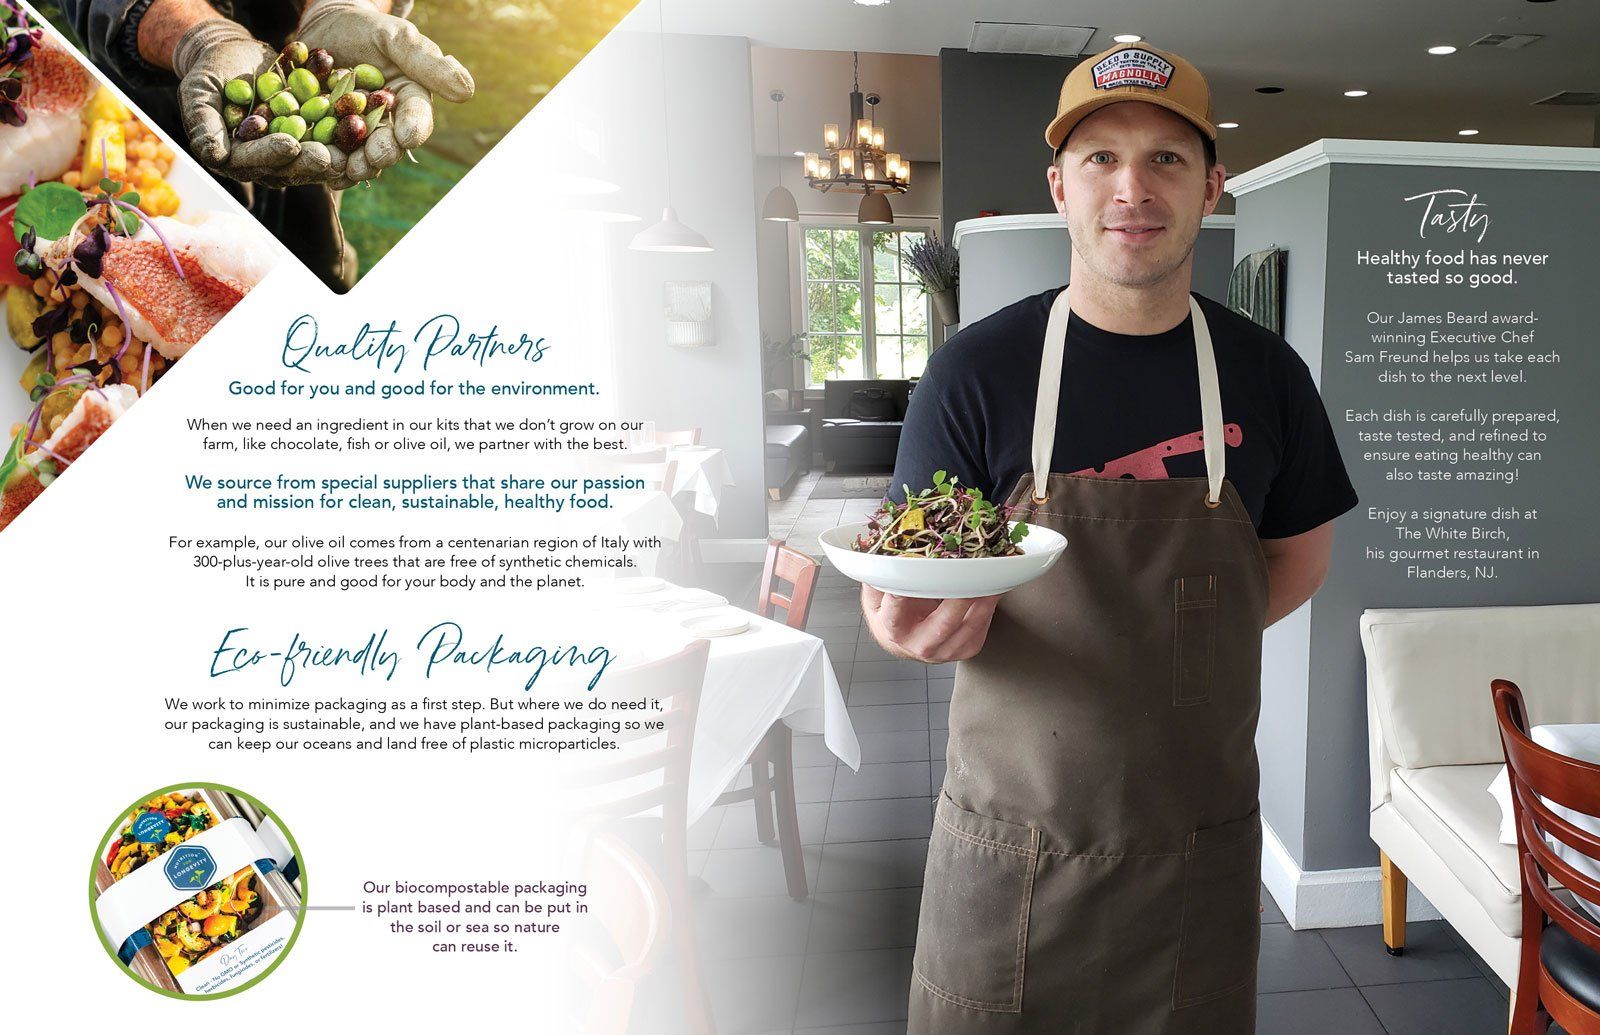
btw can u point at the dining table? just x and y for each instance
(702, 472)
(764, 673)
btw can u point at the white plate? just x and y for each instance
(638, 584)
(725, 623)
(943, 578)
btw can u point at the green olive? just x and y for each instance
(232, 115)
(293, 125)
(303, 85)
(240, 92)
(297, 53)
(268, 85)
(368, 77)
(284, 104)
(322, 132)
(316, 109)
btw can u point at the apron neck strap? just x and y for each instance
(1049, 398)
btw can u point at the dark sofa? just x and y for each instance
(861, 422)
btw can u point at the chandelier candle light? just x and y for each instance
(860, 164)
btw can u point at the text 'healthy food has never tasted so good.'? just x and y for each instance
(304, 95)
(948, 520)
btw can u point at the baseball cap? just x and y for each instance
(1131, 72)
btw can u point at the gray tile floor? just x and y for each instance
(841, 961)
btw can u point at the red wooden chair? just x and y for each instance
(650, 776)
(1559, 977)
(772, 762)
(631, 906)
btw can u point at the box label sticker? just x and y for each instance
(189, 866)
(151, 828)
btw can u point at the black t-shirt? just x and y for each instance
(1122, 396)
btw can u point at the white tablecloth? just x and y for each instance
(702, 471)
(753, 679)
(1580, 740)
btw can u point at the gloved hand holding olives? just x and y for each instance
(209, 55)
(410, 67)
(303, 95)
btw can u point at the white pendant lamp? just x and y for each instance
(780, 206)
(669, 235)
(875, 209)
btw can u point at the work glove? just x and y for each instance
(208, 55)
(413, 68)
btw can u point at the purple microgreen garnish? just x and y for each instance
(144, 371)
(127, 324)
(89, 255)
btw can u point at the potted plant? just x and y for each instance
(937, 267)
(778, 356)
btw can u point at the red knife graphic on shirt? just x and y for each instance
(1152, 462)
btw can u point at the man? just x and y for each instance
(1095, 859)
(173, 57)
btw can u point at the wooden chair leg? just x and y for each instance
(761, 785)
(1394, 905)
(794, 860)
(675, 849)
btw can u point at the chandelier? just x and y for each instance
(859, 162)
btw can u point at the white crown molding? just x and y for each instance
(1414, 152)
(1047, 221)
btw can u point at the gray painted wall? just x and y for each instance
(993, 111)
(1292, 215)
(1530, 211)
(1313, 735)
(999, 267)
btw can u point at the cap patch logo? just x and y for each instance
(1132, 67)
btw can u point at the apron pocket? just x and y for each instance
(1220, 936)
(973, 929)
(1194, 622)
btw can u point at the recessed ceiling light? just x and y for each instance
(871, 3)
(1269, 89)
(1355, 93)
(1227, 125)
(1466, 132)
(799, 154)
(1443, 48)
(1128, 37)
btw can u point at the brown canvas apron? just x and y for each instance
(1096, 853)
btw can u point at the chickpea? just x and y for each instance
(79, 298)
(61, 340)
(112, 335)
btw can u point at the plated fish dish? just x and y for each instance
(111, 269)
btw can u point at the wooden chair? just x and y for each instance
(772, 762)
(629, 902)
(1559, 977)
(650, 775)
(686, 437)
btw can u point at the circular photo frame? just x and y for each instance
(197, 891)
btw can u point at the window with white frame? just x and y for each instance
(862, 311)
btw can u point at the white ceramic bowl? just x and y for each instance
(943, 578)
